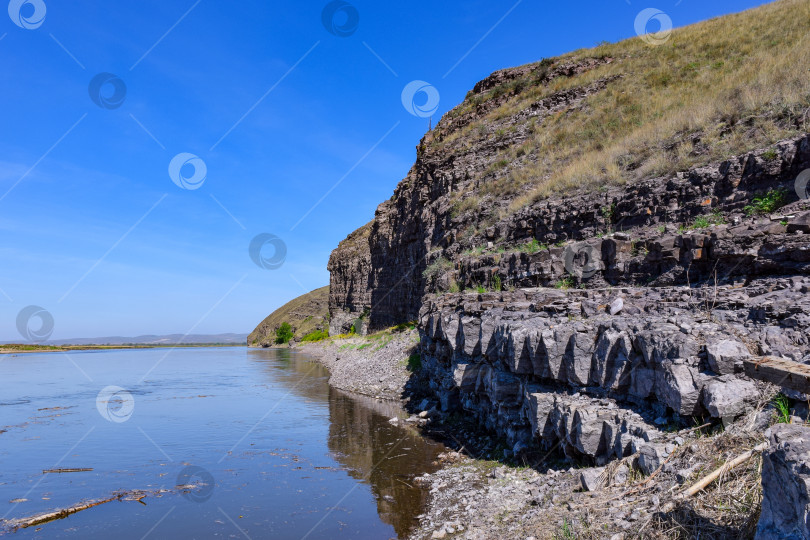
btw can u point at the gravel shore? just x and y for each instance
(375, 366)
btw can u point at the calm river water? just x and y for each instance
(273, 450)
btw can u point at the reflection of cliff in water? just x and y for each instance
(382, 455)
(298, 373)
(361, 438)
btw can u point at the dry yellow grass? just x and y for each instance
(714, 89)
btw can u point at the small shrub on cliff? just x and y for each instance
(770, 202)
(565, 283)
(533, 247)
(609, 213)
(438, 268)
(284, 333)
(703, 222)
(770, 155)
(496, 283)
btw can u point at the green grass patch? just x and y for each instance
(782, 404)
(770, 155)
(533, 247)
(438, 268)
(565, 283)
(704, 222)
(316, 335)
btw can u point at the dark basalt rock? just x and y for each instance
(532, 366)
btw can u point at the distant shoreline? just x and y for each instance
(13, 348)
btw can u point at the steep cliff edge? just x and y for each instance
(616, 138)
(593, 245)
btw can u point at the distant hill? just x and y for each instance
(168, 339)
(305, 314)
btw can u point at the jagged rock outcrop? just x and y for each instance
(658, 242)
(349, 268)
(544, 367)
(786, 485)
(655, 231)
(410, 230)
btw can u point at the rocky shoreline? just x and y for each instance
(376, 367)
(475, 497)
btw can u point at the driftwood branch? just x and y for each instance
(696, 428)
(704, 482)
(136, 495)
(739, 460)
(39, 519)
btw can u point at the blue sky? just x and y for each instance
(279, 109)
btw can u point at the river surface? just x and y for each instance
(270, 449)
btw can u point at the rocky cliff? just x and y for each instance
(633, 222)
(616, 146)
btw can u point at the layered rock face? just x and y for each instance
(613, 310)
(349, 268)
(597, 372)
(680, 230)
(643, 234)
(667, 305)
(414, 227)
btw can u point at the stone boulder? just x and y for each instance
(726, 355)
(727, 397)
(786, 485)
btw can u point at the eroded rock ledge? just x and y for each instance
(600, 372)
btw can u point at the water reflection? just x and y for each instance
(361, 438)
(385, 456)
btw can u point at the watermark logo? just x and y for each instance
(268, 251)
(28, 14)
(642, 24)
(115, 404)
(107, 90)
(423, 92)
(33, 331)
(582, 260)
(340, 18)
(188, 171)
(801, 184)
(196, 483)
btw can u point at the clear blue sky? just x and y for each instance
(95, 231)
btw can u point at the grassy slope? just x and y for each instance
(305, 314)
(714, 89)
